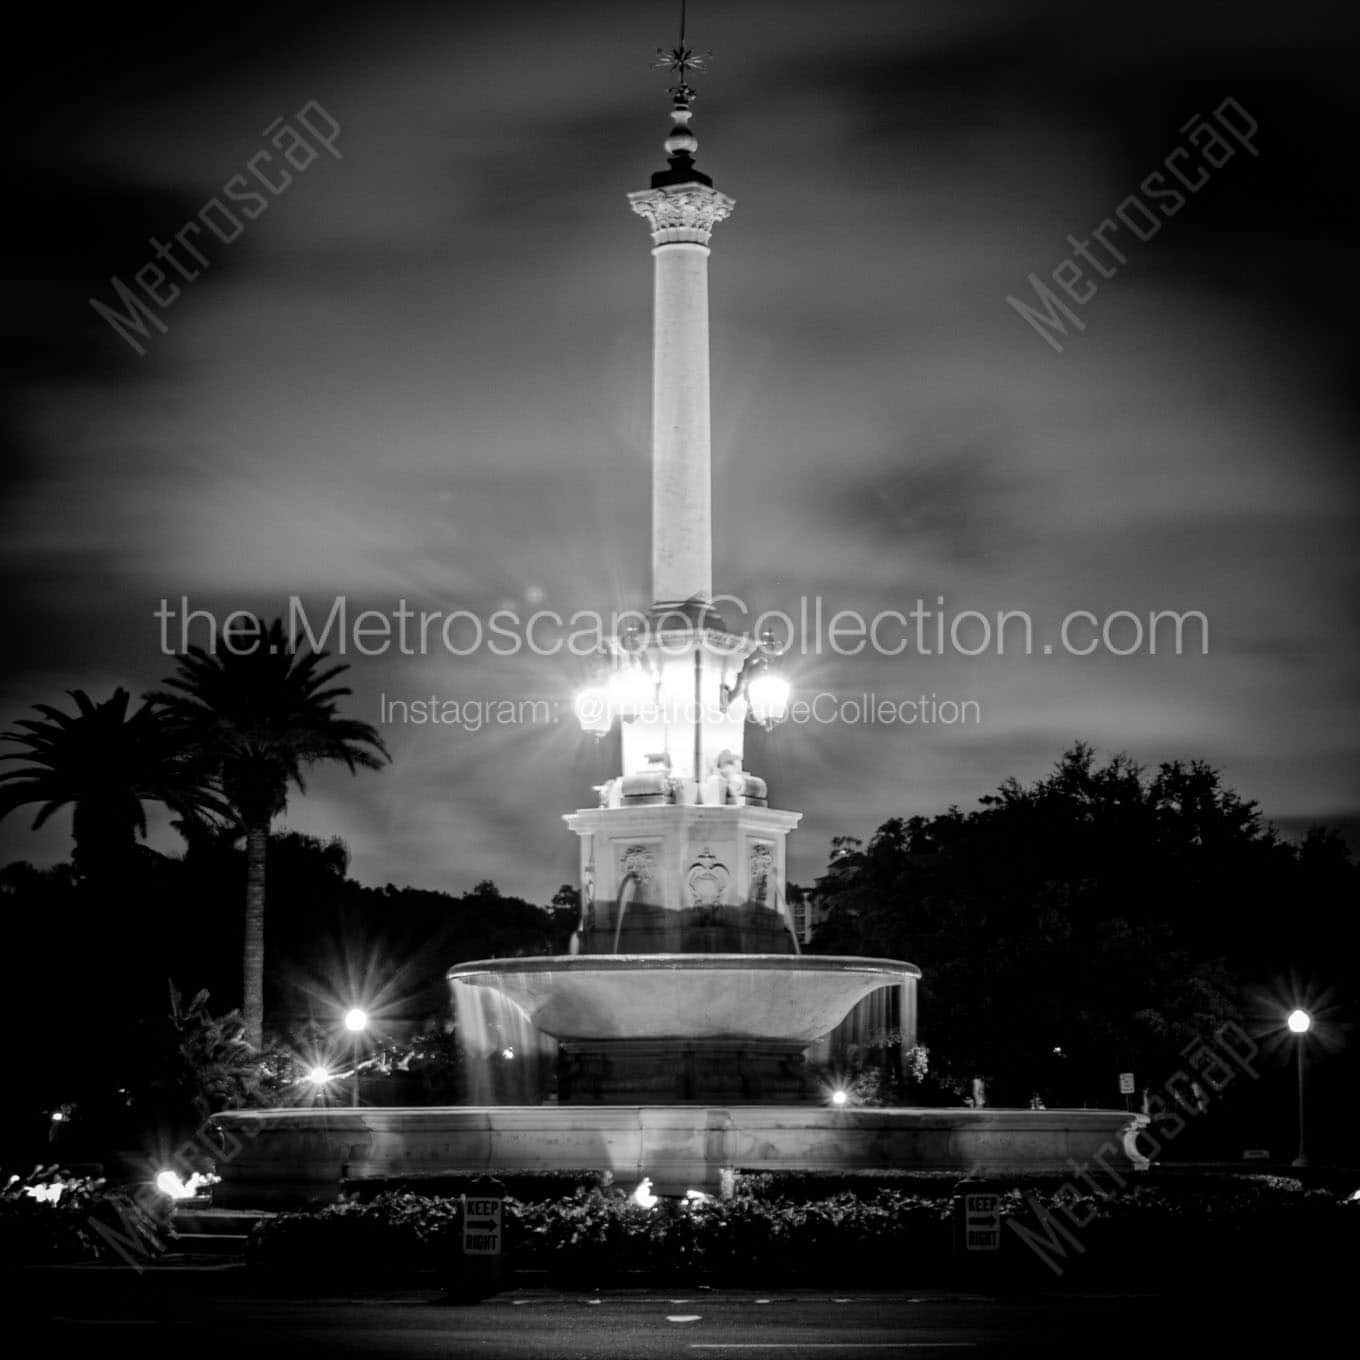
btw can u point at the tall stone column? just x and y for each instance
(682, 208)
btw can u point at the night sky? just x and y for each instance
(424, 373)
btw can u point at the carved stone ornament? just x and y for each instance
(687, 213)
(761, 865)
(707, 880)
(640, 861)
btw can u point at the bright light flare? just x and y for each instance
(356, 1020)
(593, 709)
(839, 1098)
(768, 695)
(168, 1183)
(631, 690)
(1300, 1022)
(318, 1075)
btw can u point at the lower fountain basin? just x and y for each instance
(760, 998)
(278, 1157)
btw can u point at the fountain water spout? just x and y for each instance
(782, 907)
(630, 880)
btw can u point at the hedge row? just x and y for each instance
(77, 1219)
(599, 1237)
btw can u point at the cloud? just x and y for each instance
(424, 374)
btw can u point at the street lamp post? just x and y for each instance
(356, 1021)
(1300, 1022)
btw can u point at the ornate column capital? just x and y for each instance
(684, 212)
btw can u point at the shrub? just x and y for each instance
(76, 1218)
(392, 1234)
(598, 1236)
(529, 1186)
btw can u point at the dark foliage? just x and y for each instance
(1097, 921)
(598, 1237)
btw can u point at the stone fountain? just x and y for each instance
(683, 1012)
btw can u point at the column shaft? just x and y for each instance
(682, 519)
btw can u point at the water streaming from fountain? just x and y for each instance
(506, 1060)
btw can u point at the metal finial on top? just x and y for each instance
(681, 59)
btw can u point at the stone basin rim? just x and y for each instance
(625, 963)
(614, 1115)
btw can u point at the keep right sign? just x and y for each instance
(482, 1222)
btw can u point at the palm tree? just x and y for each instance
(106, 766)
(262, 711)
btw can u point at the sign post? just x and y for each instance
(480, 1268)
(483, 1225)
(977, 1224)
(1126, 1088)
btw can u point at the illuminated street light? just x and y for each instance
(839, 1097)
(356, 1021)
(1300, 1022)
(318, 1076)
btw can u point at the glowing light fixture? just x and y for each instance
(839, 1098)
(168, 1183)
(356, 1020)
(768, 695)
(318, 1075)
(766, 692)
(594, 710)
(1300, 1022)
(631, 690)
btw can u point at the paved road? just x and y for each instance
(696, 1325)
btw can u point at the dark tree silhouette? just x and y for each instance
(106, 764)
(1105, 912)
(262, 711)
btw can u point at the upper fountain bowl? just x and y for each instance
(764, 998)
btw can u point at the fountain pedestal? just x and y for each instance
(683, 879)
